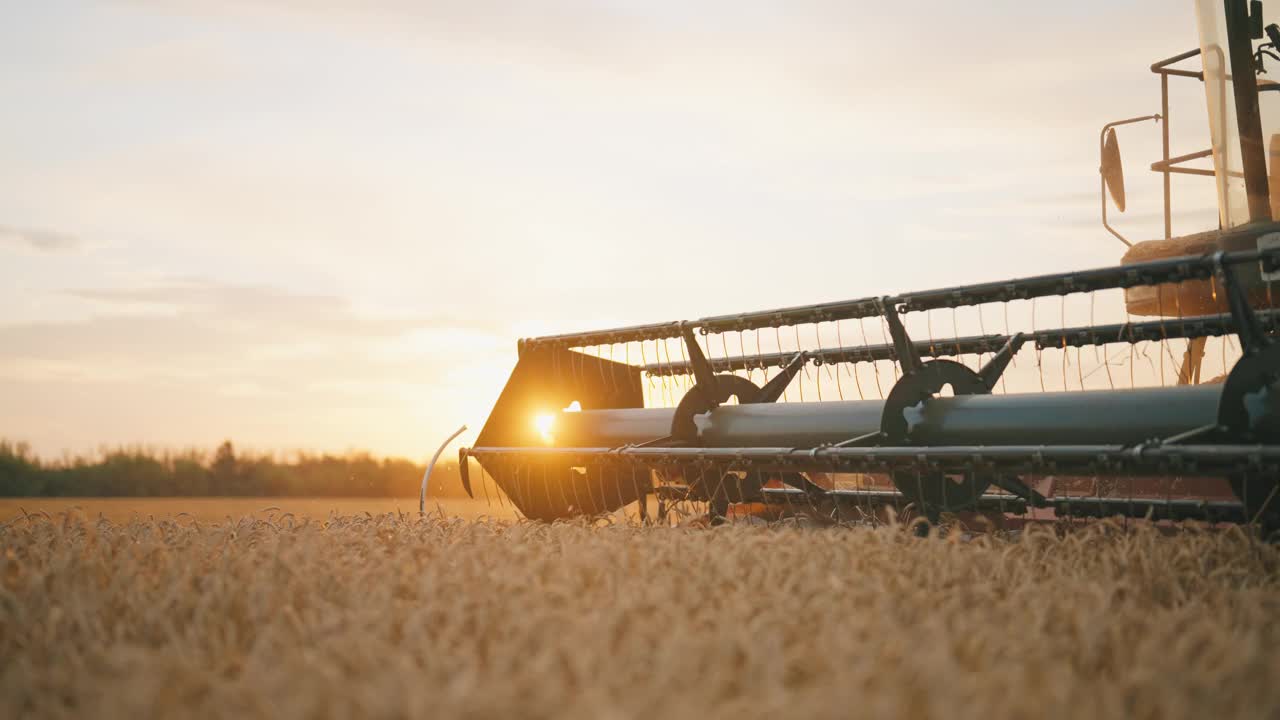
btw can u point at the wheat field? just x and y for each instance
(391, 616)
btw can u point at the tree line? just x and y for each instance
(140, 472)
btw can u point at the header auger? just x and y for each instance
(1161, 402)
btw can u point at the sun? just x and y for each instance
(544, 422)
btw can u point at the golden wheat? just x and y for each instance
(393, 616)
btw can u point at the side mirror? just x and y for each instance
(1112, 170)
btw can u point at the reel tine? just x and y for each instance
(587, 488)
(534, 487)
(1163, 342)
(884, 333)
(647, 388)
(1132, 348)
(1062, 322)
(662, 378)
(837, 511)
(982, 330)
(1080, 366)
(517, 493)
(498, 493)
(724, 347)
(1106, 357)
(875, 364)
(488, 502)
(955, 340)
(515, 475)
(804, 369)
(849, 368)
(667, 380)
(671, 381)
(642, 499)
(550, 485)
(777, 338)
(685, 379)
(928, 329)
(488, 480)
(613, 368)
(747, 369)
(619, 487)
(1039, 350)
(580, 371)
(760, 353)
(817, 335)
(821, 366)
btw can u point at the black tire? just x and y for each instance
(1261, 500)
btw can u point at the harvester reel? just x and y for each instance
(921, 385)
(933, 490)
(701, 399)
(718, 487)
(713, 485)
(940, 453)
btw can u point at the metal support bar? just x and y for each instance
(862, 440)
(995, 367)
(1173, 165)
(1077, 506)
(1165, 166)
(1162, 67)
(1196, 326)
(426, 476)
(1191, 460)
(773, 389)
(1013, 485)
(704, 376)
(1248, 329)
(1154, 272)
(1168, 164)
(1178, 170)
(908, 357)
(1248, 115)
(1191, 434)
(1164, 143)
(847, 354)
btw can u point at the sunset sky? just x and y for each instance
(323, 225)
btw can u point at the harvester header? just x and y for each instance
(1161, 402)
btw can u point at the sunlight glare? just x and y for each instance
(544, 422)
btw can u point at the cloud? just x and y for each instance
(38, 240)
(281, 368)
(183, 311)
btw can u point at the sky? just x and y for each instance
(323, 225)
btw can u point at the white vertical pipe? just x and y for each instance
(426, 476)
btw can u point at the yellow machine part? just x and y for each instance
(1173, 299)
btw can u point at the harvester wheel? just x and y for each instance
(944, 492)
(1260, 496)
(718, 488)
(933, 491)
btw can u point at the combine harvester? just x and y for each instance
(772, 413)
